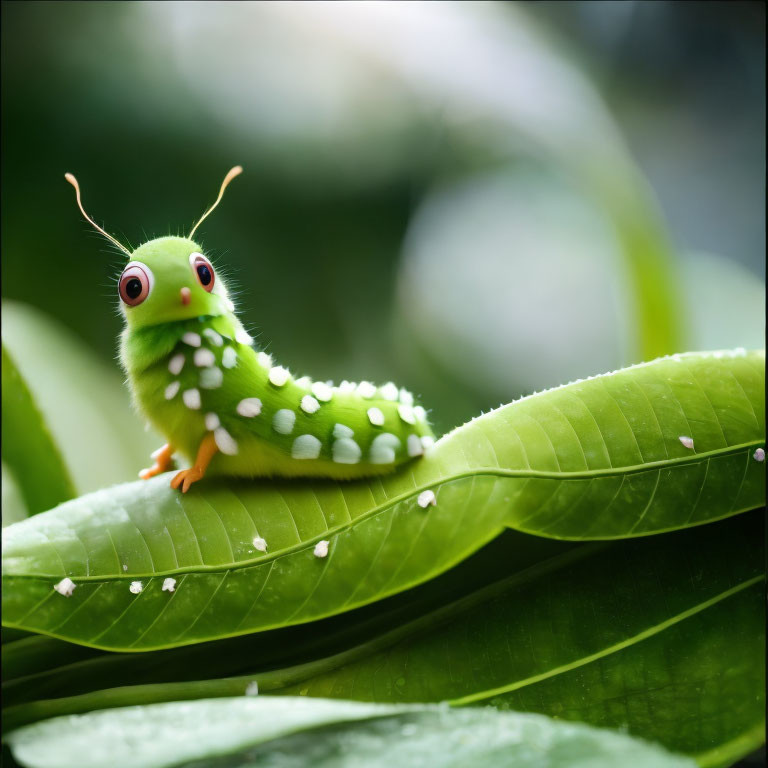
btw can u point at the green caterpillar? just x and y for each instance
(196, 375)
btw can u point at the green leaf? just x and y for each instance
(596, 459)
(221, 733)
(660, 636)
(84, 403)
(664, 637)
(13, 506)
(28, 448)
(39, 667)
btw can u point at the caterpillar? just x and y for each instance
(223, 403)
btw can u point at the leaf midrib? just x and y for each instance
(478, 472)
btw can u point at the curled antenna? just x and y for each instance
(236, 171)
(73, 181)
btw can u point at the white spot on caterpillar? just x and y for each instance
(230, 305)
(191, 338)
(376, 417)
(171, 390)
(406, 414)
(242, 337)
(304, 382)
(224, 441)
(252, 689)
(346, 451)
(213, 337)
(125, 567)
(406, 398)
(389, 391)
(426, 498)
(321, 548)
(229, 357)
(204, 357)
(686, 441)
(249, 407)
(366, 389)
(420, 413)
(279, 375)
(322, 391)
(427, 442)
(309, 404)
(211, 421)
(415, 447)
(283, 421)
(306, 447)
(65, 587)
(347, 386)
(759, 455)
(169, 585)
(136, 587)
(340, 430)
(176, 363)
(191, 398)
(260, 544)
(264, 360)
(211, 378)
(383, 448)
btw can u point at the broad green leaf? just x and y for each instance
(595, 459)
(664, 637)
(84, 403)
(239, 732)
(28, 448)
(660, 636)
(39, 667)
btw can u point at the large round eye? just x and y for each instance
(203, 270)
(135, 283)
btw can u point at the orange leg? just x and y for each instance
(162, 458)
(205, 453)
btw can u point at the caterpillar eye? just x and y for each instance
(203, 270)
(135, 284)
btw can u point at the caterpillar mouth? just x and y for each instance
(186, 296)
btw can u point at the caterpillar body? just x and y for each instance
(228, 407)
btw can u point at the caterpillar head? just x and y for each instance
(168, 278)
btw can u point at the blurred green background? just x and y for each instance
(476, 200)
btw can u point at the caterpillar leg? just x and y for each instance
(162, 458)
(205, 453)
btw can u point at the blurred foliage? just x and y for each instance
(473, 231)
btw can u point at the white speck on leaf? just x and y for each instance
(426, 498)
(321, 548)
(65, 587)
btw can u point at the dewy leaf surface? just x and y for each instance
(596, 459)
(293, 733)
(28, 448)
(662, 637)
